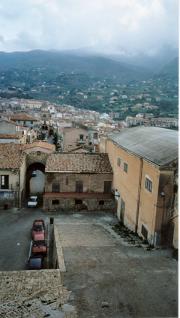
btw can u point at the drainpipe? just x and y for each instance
(139, 194)
(19, 195)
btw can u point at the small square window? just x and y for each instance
(78, 201)
(125, 167)
(55, 202)
(148, 184)
(101, 202)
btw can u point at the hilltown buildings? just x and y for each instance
(144, 162)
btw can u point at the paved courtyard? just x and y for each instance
(106, 276)
(109, 277)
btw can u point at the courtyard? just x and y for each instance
(106, 275)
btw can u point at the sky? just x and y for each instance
(113, 26)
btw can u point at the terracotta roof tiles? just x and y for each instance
(79, 163)
(11, 156)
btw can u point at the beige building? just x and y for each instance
(144, 163)
(78, 181)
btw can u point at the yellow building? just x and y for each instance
(144, 162)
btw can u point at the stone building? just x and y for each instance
(144, 163)
(78, 181)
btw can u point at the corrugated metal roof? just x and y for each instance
(155, 144)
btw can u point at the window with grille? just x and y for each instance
(4, 182)
(55, 187)
(148, 184)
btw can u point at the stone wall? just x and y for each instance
(75, 204)
(91, 182)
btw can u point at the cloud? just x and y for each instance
(104, 25)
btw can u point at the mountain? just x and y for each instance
(68, 62)
(152, 61)
(170, 69)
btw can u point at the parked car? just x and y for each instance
(38, 235)
(32, 201)
(35, 262)
(34, 174)
(39, 248)
(38, 222)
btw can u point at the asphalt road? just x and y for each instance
(15, 236)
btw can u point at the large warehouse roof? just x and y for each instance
(158, 145)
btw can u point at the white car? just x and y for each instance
(32, 202)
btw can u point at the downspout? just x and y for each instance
(139, 194)
(19, 195)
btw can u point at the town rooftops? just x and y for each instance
(23, 117)
(78, 163)
(11, 156)
(10, 136)
(40, 144)
(158, 145)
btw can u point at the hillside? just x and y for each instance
(57, 62)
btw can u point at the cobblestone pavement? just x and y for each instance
(110, 277)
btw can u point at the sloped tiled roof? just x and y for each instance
(79, 163)
(22, 116)
(158, 145)
(10, 136)
(41, 144)
(11, 156)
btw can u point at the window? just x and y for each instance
(55, 187)
(148, 184)
(79, 186)
(67, 181)
(144, 232)
(119, 161)
(55, 202)
(125, 167)
(107, 186)
(5, 182)
(78, 201)
(101, 202)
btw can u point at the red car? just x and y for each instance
(39, 222)
(38, 230)
(39, 248)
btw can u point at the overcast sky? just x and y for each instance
(103, 25)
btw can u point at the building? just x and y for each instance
(12, 175)
(24, 120)
(78, 181)
(144, 163)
